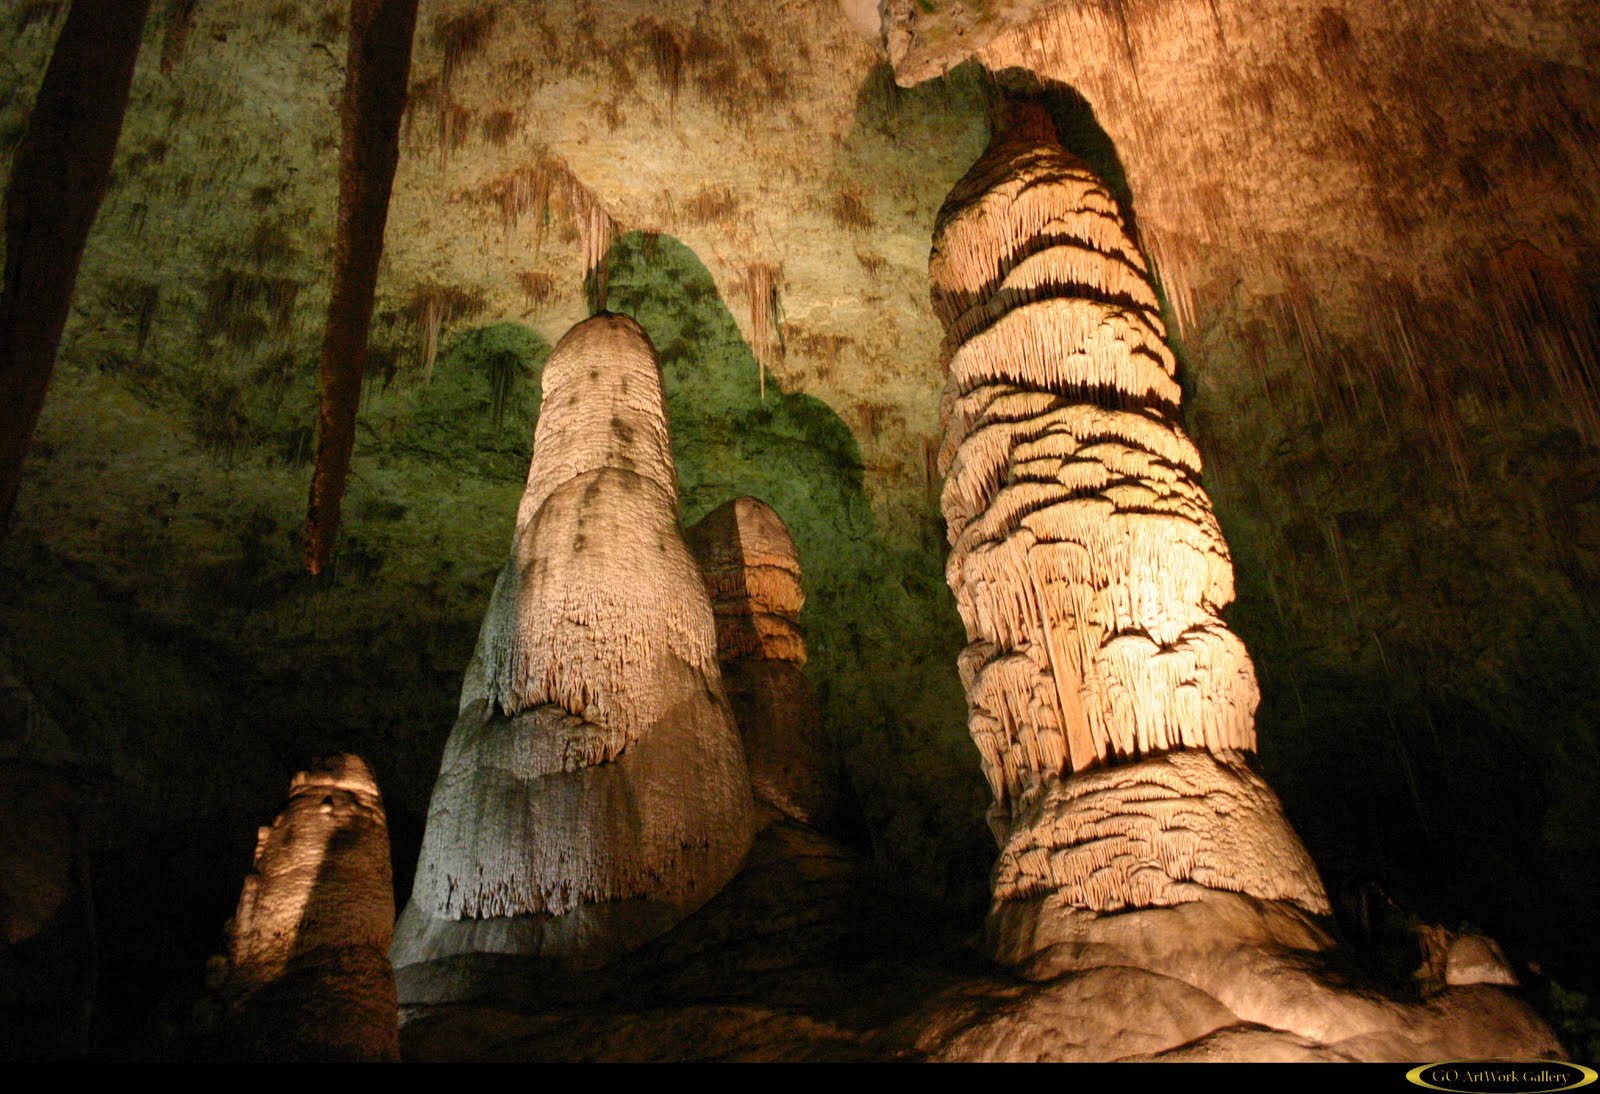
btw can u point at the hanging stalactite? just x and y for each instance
(376, 69)
(58, 178)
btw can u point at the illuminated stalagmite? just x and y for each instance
(752, 574)
(1086, 561)
(1114, 710)
(594, 790)
(306, 975)
(1141, 858)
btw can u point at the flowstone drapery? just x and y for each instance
(594, 789)
(1141, 857)
(1086, 561)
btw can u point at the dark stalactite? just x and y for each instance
(376, 71)
(58, 179)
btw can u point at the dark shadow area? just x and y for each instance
(1428, 717)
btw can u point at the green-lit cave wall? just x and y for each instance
(1421, 621)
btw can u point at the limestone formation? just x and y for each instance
(752, 573)
(306, 974)
(594, 790)
(1113, 709)
(1085, 558)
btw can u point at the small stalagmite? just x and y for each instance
(752, 574)
(594, 790)
(306, 974)
(1085, 558)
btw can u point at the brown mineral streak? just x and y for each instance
(58, 177)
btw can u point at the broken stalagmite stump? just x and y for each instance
(594, 790)
(306, 975)
(752, 573)
(1113, 708)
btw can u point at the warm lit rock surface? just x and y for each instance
(805, 956)
(1086, 562)
(1329, 162)
(1373, 226)
(1152, 834)
(752, 573)
(306, 973)
(1085, 559)
(594, 789)
(1113, 708)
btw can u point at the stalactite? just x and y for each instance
(597, 230)
(537, 187)
(594, 790)
(1087, 565)
(761, 282)
(377, 64)
(430, 320)
(58, 178)
(460, 37)
(428, 309)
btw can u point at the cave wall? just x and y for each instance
(1374, 228)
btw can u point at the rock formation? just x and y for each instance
(1085, 559)
(306, 975)
(1113, 708)
(593, 791)
(752, 574)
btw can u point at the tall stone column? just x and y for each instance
(594, 790)
(1113, 708)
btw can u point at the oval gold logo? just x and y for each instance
(1504, 1076)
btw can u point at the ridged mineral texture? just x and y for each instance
(594, 789)
(752, 573)
(1141, 857)
(1085, 558)
(306, 974)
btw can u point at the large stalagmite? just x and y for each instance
(752, 574)
(1112, 706)
(1085, 558)
(594, 790)
(306, 975)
